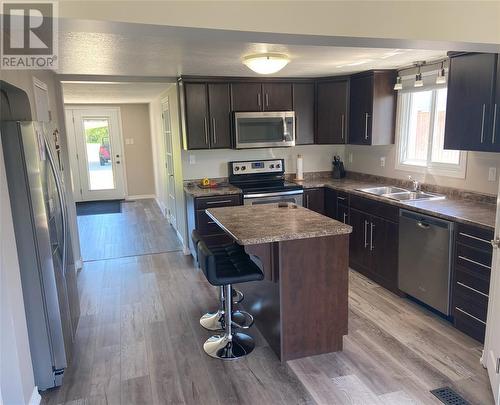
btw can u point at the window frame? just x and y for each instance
(439, 169)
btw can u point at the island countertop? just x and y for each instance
(256, 224)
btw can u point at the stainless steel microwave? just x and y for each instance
(268, 129)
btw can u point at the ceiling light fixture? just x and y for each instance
(441, 77)
(418, 77)
(398, 85)
(266, 63)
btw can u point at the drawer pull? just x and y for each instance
(341, 198)
(210, 222)
(475, 237)
(474, 262)
(472, 289)
(472, 316)
(218, 202)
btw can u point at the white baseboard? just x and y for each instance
(78, 264)
(35, 397)
(185, 250)
(162, 207)
(140, 197)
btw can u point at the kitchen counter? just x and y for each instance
(463, 210)
(196, 191)
(304, 257)
(255, 224)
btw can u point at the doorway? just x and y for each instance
(96, 158)
(169, 198)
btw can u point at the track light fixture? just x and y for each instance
(398, 85)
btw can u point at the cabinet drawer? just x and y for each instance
(342, 198)
(475, 237)
(479, 281)
(203, 203)
(472, 302)
(470, 326)
(473, 259)
(375, 208)
(206, 225)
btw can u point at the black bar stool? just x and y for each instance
(225, 270)
(214, 321)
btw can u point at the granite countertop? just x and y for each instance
(255, 224)
(194, 190)
(461, 210)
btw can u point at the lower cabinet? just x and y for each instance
(337, 205)
(314, 199)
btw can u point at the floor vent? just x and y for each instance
(449, 397)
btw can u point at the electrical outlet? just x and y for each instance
(350, 157)
(192, 159)
(492, 174)
(382, 161)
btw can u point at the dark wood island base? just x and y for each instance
(301, 307)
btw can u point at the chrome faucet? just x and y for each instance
(415, 184)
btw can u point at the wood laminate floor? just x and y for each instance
(395, 353)
(139, 229)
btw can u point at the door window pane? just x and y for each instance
(98, 147)
(419, 117)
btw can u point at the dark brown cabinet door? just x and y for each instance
(496, 111)
(383, 240)
(303, 105)
(247, 96)
(315, 200)
(359, 252)
(469, 108)
(196, 115)
(330, 203)
(361, 110)
(332, 112)
(277, 96)
(220, 115)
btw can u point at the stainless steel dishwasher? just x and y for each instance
(425, 252)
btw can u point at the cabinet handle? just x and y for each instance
(474, 262)
(206, 131)
(371, 235)
(482, 123)
(498, 366)
(366, 125)
(469, 315)
(341, 198)
(218, 202)
(215, 132)
(258, 99)
(345, 217)
(474, 237)
(342, 121)
(307, 200)
(472, 289)
(366, 231)
(494, 123)
(267, 100)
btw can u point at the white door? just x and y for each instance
(169, 164)
(491, 355)
(99, 163)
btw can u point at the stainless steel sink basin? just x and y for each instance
(383, 190)
(401, 194)
(415, 196)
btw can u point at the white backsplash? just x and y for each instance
(213, 163)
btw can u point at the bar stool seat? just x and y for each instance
(225, 270)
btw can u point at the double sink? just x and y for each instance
(401, 194)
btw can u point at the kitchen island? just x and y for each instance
(301, 306)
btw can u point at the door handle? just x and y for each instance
(214, 131)
(366, 125)
(366, 232)
(206, 131)
(345, 217)
(342, 123)
(422, 225)
(267, 100)
(482, 123)
(494, 123)
(258, 99)
(371, 235)
(498, 366)
(307, 200)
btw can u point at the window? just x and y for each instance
(420, 133)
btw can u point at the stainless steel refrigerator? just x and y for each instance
(40, 219)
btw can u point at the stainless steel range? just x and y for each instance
(263, 182)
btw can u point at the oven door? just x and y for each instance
(264, 129)
(295, 197)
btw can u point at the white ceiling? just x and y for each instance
(111, 93)
(147, 50)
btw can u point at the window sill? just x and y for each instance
(457, 173)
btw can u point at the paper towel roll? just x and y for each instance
(300, 168)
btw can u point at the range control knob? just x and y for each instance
(271, 166)
(278, 166)
(243, 167)
(236, 168)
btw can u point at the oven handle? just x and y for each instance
(277, 194)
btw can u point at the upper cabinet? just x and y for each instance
(372, 108)
(206, 115)
(472, 110)
(303, 105)
(332, 120)
(269, 96)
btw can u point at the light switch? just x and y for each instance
(492, 174)
(350, 157)
(192, 159)
(382, 161)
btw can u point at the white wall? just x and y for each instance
(213, 163)
(16, 372)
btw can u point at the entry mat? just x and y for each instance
(449, 397)
(99, 207)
